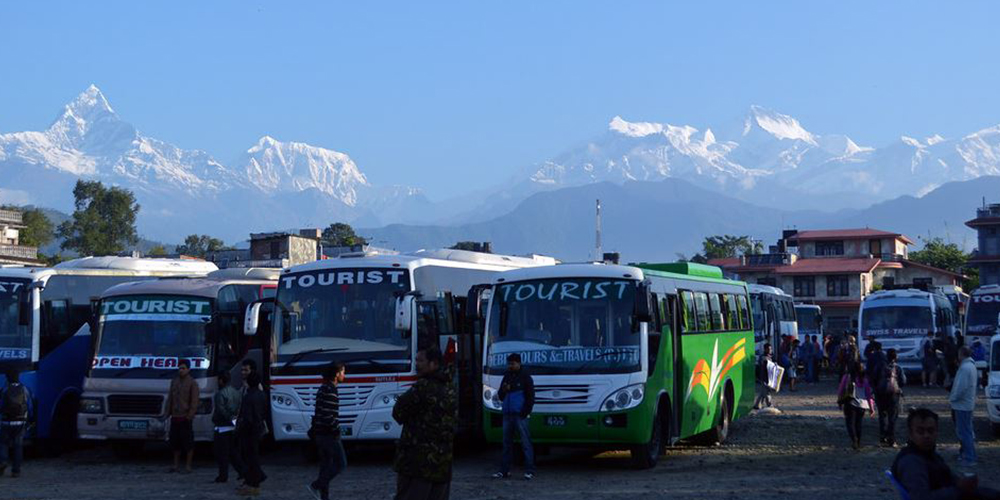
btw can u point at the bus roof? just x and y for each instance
(767, 289)
(452, 258)
(200, 287)
(140, 264)
(588, 270)
(808, 306)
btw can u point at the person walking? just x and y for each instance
(182, 405)
(854, 397)
(874, 361)
(888, 392)
(792, 360)
(929, 364)
(15, 413)
(428, 412)
(250, 427)
(325, 431)
(963, 401)
(951, 361)
(517, 393)
(227, 408)
(763, 399)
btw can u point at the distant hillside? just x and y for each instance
(658, 220)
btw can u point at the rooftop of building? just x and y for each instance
(846, 234)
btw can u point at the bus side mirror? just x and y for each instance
(24, 309)
(478, 299)
(819, 320)
(642, 310)
(404, 314)
(251, 322)
(998, 320)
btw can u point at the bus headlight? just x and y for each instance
(204, 406)
(91, 405)
(282, 401)
(624, 398)
(386, 400)
(491, 398)
(993, 391)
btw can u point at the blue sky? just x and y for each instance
(451, 95)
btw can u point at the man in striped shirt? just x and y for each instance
(325, 431)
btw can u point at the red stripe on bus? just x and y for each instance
(355, 380)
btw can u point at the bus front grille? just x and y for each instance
(351, 395)
(562, 394)
(134, 404)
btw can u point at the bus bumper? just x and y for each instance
(588, 428)
(374, 425)
(97, 426)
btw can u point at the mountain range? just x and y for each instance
(656, 177)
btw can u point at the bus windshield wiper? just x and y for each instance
(299, 355)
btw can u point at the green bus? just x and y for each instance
(633, 357)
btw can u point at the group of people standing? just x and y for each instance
(876, 385)
(239, 418)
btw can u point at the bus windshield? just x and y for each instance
(15, 339)
(807, 317)
(153, 332)
(982, 313)
(564, 326)
(342, 310)
(896, 321)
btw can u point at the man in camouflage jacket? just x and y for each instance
(428, 412)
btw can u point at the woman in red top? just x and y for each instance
(854, 396)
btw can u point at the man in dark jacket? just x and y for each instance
(325, 431)
(924, 473)
(428, 412)
(227, 408)
(16, 412)
(517, 392)
(888, 390)
(250, 427)
(763, 399)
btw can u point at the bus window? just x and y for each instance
(715, 313)
(688, 314)
(701, 308)
(741, 300)
(732, 313)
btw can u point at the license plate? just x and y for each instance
(345, 431)
(555, 421)
(133, 425)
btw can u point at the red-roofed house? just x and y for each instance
(836, 269)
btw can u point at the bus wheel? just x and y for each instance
(645, 456)
(720, 432)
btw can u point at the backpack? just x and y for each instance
(889, 381)
(15, 403)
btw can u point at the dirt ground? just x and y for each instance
(803, 451)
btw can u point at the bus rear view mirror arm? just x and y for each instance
(642, 310)
(404, 314)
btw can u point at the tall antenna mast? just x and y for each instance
(599, 255)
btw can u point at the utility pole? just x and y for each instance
(599, 252)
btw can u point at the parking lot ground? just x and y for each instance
(802, 453)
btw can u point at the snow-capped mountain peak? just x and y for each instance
(90, 124)
(776, 124)
(634, 129)
(272, 165)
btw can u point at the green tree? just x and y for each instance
(340, 234)
(727, 246)
(157, 251)
(937, 253)
(103, 222)
(38, 230)
(200, 245)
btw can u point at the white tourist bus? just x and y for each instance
(773, 316)
(373, 312)
(44, 330)
(981, 315)
(902, 319)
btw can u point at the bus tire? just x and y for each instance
(645, 456)
(720, 432)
